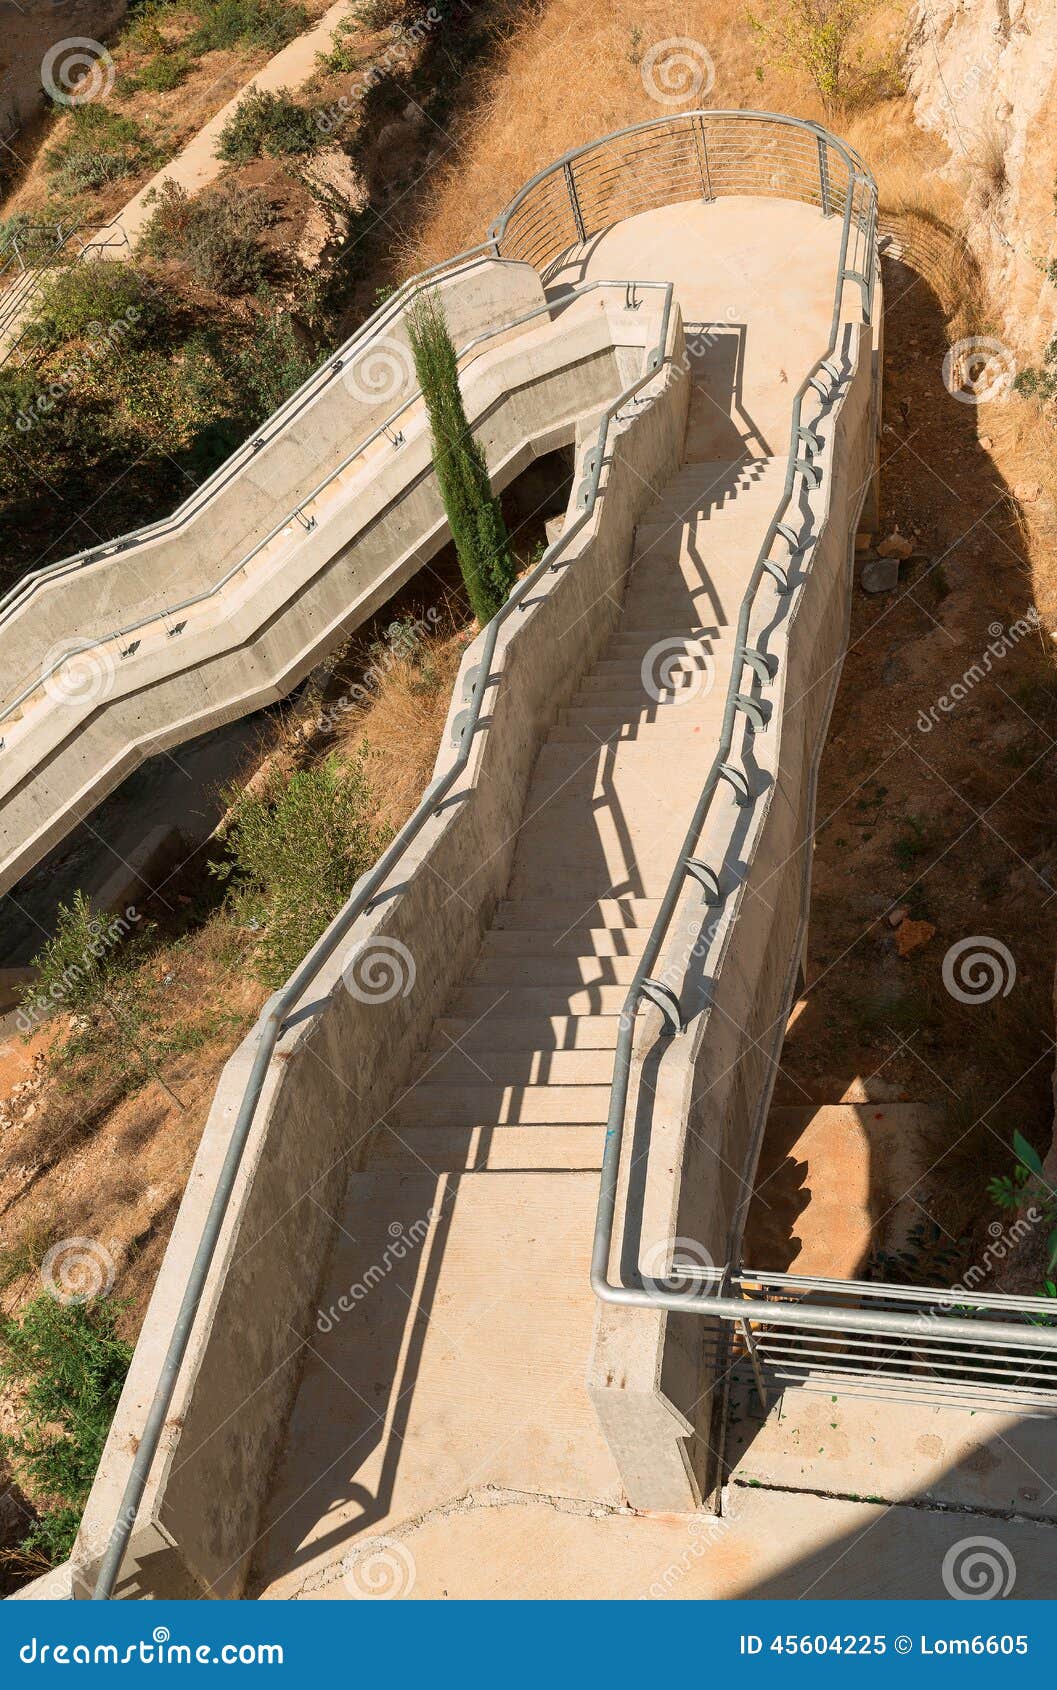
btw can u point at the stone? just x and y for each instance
(913, 934)
(1026, 492)
(897, 916)
(896, 545)
(879, 575)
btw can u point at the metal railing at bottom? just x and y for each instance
(941, 1347)
(277, 1010)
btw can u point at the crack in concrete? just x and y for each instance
(923, 1505)
(484, 1496)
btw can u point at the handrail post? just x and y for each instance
(823, 174)
(701, 143)
(574, 201)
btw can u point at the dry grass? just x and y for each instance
(569, 74)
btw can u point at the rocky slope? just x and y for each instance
(983, 73)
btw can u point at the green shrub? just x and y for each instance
(296, 849)
(342, 57)
(80, 300)
(100, 146)
(71, 1365)
(246, 23)
(815, 36)
(165, 71)
(267, 123)
(474, 516)
(215, 235)
(270, 366)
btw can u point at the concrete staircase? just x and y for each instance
(466, 1366)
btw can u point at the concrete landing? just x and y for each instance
(769, 1546)
(1001, 1464)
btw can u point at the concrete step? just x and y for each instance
(560, 914)
(607, 717)
(512, 1002)
(606, 729)
(682, 668)
(619, 776)
(569, 941)
(627, 645)
(463, 1105)
(449, 1065)
(532, 1030)
(633, 693)
(506, 1149)
(553, 970)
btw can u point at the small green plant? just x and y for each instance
(342, 58)
(264, 122)
(1040, 381)
(1028, 1188)
(912, 843)
(70, 1365)
(296, 848)
(100, 146)
(814, 35)
(215, 235)
(474, 516)
(165, 71)
(246, 23)
(87, 969)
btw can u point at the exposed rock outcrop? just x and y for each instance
(984, 74)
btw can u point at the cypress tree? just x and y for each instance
(473, 512)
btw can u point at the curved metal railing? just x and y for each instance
(563, 207)
(1000, 1343)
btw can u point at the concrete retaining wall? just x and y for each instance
(300, 597)
(339, 1065)
(734, 968)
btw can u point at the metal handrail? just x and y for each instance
(727, 1299)
(278, 1007)
(298, 514)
